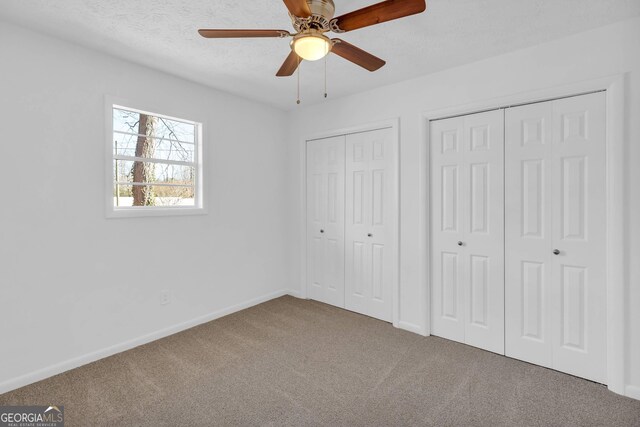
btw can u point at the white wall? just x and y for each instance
(594, 54)
(67, 289)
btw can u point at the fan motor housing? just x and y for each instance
(321, 13)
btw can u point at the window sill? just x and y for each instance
(151, 212)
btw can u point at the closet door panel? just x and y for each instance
(358, 212)
(381, 235)
(468, 229)
(483, 228)
(555, 235)
(325, 220)
(315, 221)
(334, 224)
(370, 229)
(447, 198)
(579, 215)
(528, 140)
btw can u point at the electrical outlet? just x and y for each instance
(165, 297)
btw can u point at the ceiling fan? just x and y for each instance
(311, 19)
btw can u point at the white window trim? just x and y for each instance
(112, 211)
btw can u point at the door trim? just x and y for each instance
(615, 188)
(394, 124)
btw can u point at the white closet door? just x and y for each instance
(579, 233)
(325, 220)
(483, 244)
(528, 186)
(555, 235)
(468, 229)
(370, 229)
(447, 263)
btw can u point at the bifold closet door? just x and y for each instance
(325, 220)
(370, 233)
(555, 235)
(467, 229)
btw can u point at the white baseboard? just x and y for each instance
(412, 327)
(294, 293)
(632, 391)
(76, 362)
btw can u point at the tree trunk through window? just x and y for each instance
(143, 172)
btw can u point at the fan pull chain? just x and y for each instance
(325, 76)
(298, 73)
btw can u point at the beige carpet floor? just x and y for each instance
(296, 362)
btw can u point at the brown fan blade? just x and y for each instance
(356, 55)
(289, 66)
(375, 14)
(228, 34)
(298, 8)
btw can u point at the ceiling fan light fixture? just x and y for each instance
(311, 45)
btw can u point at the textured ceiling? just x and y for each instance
(162, 35)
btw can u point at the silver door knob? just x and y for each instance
(369, 235)
(321, 230)
(460, 243)
(556, 251)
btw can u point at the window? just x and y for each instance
(155, 165)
